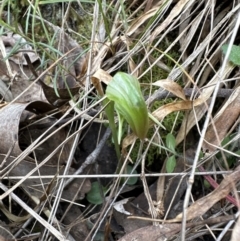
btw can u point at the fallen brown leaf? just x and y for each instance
(172, 87)
(59, 96)
(165, 110)
(103, 76)
(14, 115)
(222, 122)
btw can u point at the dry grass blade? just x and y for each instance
(174, 13)
(236, 231)
(5, 234)
(144, 18)
(204, 44)
(222, 122)
(197, 114)
(202, 205)
(170, 45)
(55, 232)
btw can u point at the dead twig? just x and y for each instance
(162, 94)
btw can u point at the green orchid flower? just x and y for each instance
(124, 90)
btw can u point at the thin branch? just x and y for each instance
(162, 94)
(91, 159)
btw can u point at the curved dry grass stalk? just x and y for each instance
(203, 59)
(138, 37)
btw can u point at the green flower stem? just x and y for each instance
(110, 115)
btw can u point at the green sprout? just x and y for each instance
(234, 55)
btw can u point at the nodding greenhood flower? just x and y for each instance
(124, 90)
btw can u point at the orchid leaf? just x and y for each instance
(171, 142)
(94, 196)
(234, 55)
(171, 163)
(131, 180)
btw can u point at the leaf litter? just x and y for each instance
(48, 128)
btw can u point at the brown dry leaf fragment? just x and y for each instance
(39, 187)
(70, 67)
(132, 67)
(11, 117)
(15, 69)
(18, 42)
(127, 141)
(135, 207)
(7, 82)
(83, 69)
(222, 122)
(161, 233)
(28, 135)
(64, 95)
(103, 76)
(98, 86)
(202, 205)
(196, 114)
(34, 92)
(19, 80)
(172, 87)
(21, 87)
(100, 76)
(165, 110)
